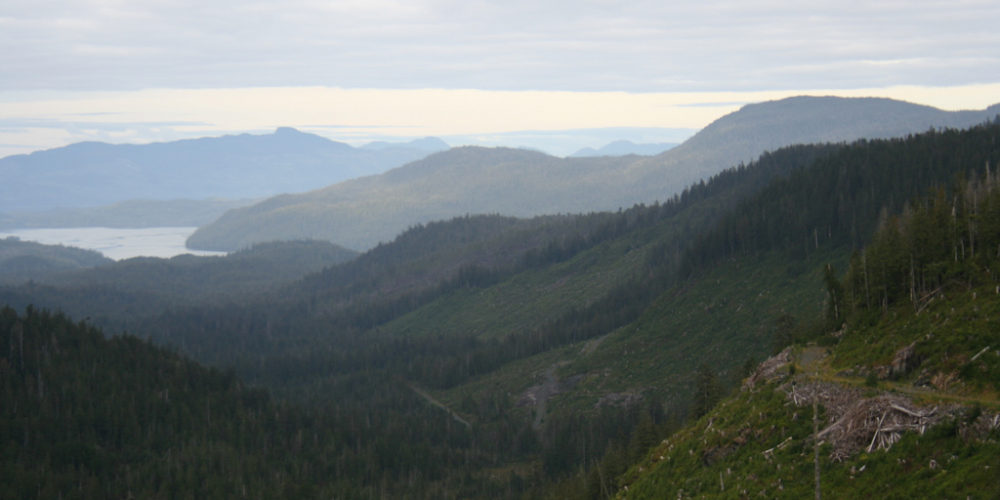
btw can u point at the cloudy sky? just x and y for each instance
(468, 71)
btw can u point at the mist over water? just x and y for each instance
(116, 243)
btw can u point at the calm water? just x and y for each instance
(116, 243)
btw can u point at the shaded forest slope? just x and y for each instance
(903, 378)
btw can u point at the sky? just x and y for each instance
(551, 75)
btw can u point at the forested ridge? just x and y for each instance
(362, 212)
(606, 317)
(24, 260)
(115, 294)
(838, 199)
(437, 263)
(902, 377)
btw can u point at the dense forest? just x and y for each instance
(902, 384)
(484, 356)
(838, 199)
(88, 416)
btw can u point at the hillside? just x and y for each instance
(874, 442)
(469, 180)
(244, 166)
(92, 417)
(361, 213)
(540, 357)
(742, 135)
(86, 416)
(114, 293)
(725, 315)
(903, 393)
(599, 281)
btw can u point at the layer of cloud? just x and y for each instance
(639, 46)
(31, 121)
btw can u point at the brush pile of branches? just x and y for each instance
(858, 423)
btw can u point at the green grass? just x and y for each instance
(947, 334)
(730, 443)
(722, 454)
(720, 319)
(727, 316)
(526, 300)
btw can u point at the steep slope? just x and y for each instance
(904, 396)
(90, 417)
(761, 442)
(598, 270)
(909, 332)
(359, 214)
(235, 167)
(736, 306)
(740, 291)
(85, 416)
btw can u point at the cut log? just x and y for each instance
(878, 428)
(911, 412)
(980, 353)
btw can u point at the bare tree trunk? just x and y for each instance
(816, 446)
(864, 271)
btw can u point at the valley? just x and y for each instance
(665, 349)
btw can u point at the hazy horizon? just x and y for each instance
(517, 72)
(553, 142)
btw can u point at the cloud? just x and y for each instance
(519, 45)
(88, 120)
(166, 69)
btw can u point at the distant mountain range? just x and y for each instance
(245, 166)
(624, 147)
(362, 212)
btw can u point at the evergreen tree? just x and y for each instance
(707, 390)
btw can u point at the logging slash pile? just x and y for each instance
(855, 423)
